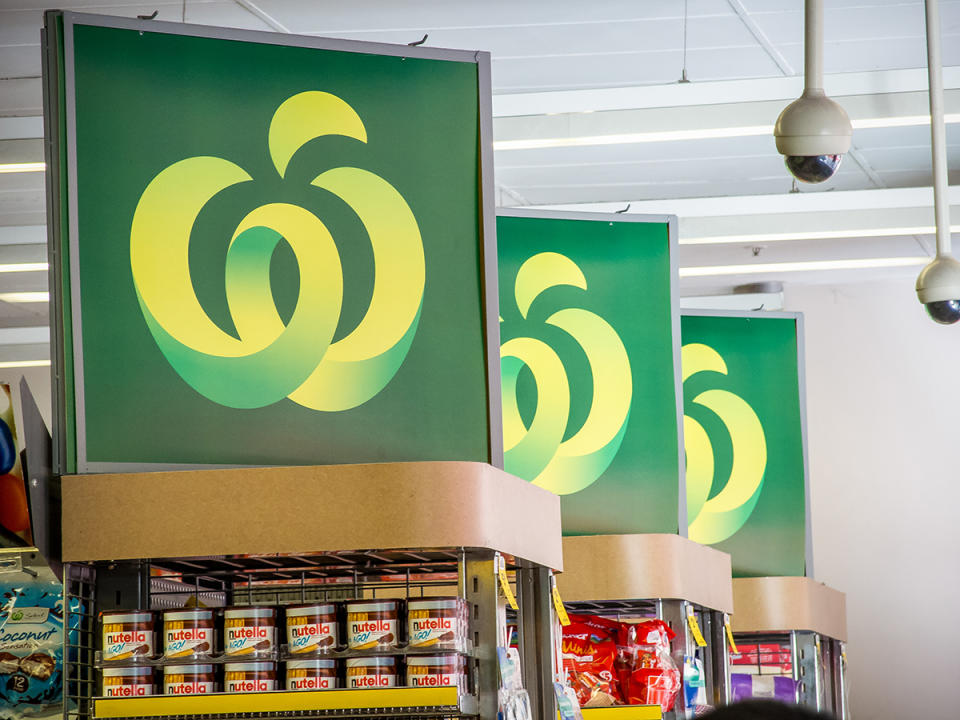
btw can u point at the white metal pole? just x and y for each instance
(813, 45)
(938, 139)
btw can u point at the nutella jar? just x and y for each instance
(127, 634)
(320, 674)
(188, 680)
(439, 623)
(127, 682)
(446, 670)
(372, 624)
(188, 633)
(371, 672)
(249, 631)
(312, 628)
(249, 677)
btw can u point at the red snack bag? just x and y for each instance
(645, 668)
(589, 653)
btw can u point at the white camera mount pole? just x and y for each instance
(813, 45)
(938, 140)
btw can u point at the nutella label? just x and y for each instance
(138, 690)
(370, 633)
(431, 630)
(355, 682)
(433, 680)
(240, 686)
(311, 683)
(188, 641)
(187, 688)
(127, 643)
(311, 637)
(246, 639)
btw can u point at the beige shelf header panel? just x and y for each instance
(644, 567)
(308, 509)
(779, 604)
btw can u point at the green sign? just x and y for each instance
(744, 435)
(275, 249)
(589, 365)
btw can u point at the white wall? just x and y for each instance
(883, 399)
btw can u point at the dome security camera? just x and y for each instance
(812, 133)
(938, 288)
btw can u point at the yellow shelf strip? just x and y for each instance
(624, 712)
(279, 701)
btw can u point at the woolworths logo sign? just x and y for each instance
(716, 514)
(270, 358)
(537, 450)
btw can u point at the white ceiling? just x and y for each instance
(563, 70)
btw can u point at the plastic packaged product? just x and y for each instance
(746, 687)
(312, 628)
(127, 634)
(372, 624)
(318, 674)
(127, 681)
(250, 631)
(188, 634)
(439, 622)
(189, 680)
(371, 672)
(443, 670)
(589, 656)
(648, 674)
(245, 677)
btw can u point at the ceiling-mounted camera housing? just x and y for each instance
(813, 133)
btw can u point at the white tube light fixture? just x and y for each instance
(700, 134)
(25, 297)
(23, 167)
(809, 266)
(23, 364)
(812, 235)
(23, 267)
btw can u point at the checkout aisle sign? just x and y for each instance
(744, 436)
(589, 365)
(278, 249)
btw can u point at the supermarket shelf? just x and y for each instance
(602, 568)
(228, 513)
(624, 712)
(783, 604)
(392, 702)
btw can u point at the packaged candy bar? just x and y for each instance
(31, 647)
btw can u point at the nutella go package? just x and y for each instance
(31, 648)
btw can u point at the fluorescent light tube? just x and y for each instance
(23, 267)
(810, 266)
(813, 235)
(22, 167)
(23, 364)
(25, 297)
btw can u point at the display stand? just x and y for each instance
(663, 576)
(304, 534)
(811, 619)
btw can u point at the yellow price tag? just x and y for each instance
(733, 645)
(695, 629)
(558, 605)
(505, 584)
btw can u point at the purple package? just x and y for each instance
(774, 687)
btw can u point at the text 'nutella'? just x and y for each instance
(127, 634)
(320, 674)
(250, 631)
(371, 672)
(127, 682)
(312, 628)
(372, 624)
(188, 680)
(249, 677)
(188, 633)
